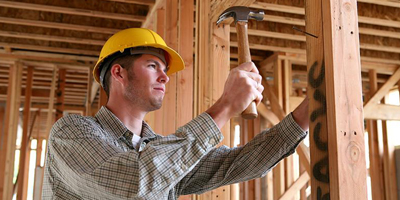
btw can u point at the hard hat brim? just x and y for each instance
(175, 61)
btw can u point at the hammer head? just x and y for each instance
(240, 13)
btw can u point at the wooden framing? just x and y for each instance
(60, 93)
(347, 170)
(193, 90)
(72, 11)
(10, 131)
(375, 154)
(25, 143)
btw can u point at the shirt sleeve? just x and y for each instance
(224, 166)
(90, 165)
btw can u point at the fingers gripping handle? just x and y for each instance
(244, 56)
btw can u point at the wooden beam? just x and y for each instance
(60, 93)
(389, 163)
(160, 29)
(89, 100)
(272, 48)
(184, 89)
(150, 15)
(49, 122)
(140, 2)
(296, 186)
(217, 7)
(56, 25)
(379, 22)
(23, 169)
(391, 3)
(51, 38)
(271, 34)
(347, 169)
(381, 93)
(267, 114)
(51, 49)
(375, 154)
(102, 98)
(184, 85)
(73, 11)
(10, 132)
(317, 109)
(170, 105)
(383, 112)
(219, 51)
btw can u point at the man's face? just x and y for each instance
(147, 79)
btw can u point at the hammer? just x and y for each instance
(241, 15)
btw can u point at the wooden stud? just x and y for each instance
(23, 169)
(169, 112)
(10, 131)
(50, 121)
(318, 123)
(220, 71)
(160, 29)
(295, 187)
(60, 93)
(102, 98)
(185, 78)
(389, 164)
(381, 93)
(347, 170)
(88, 101)
(375, 156)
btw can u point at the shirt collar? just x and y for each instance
(111, 124)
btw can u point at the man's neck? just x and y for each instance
(131, 117)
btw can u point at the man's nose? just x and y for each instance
(163, 78)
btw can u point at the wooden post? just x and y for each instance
(102, 98)
(375, 156)
(184, 83)
(88, 102)
(344, 107)
(60, 93)
(49, 122)
(171, 38)
(10, 131)
(279, 170)
(160, 29)
(287, 90)
(389, 163)
(23, 169)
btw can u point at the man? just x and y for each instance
(116, 155)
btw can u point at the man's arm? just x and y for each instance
(224, 166)
(86, 164)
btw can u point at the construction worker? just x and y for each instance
(116, 155)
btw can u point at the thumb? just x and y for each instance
(248, 66)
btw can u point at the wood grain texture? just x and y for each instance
(23, 172)
(317, 109)
(347, 169)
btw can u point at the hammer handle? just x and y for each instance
(244, 56)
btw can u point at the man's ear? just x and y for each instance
(118, 73)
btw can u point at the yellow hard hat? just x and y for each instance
(137, 37)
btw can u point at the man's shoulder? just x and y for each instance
(74, 124)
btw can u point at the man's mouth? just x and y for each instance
(160, 89)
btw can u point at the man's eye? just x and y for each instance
(152, 66)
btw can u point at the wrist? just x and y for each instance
(220, 113)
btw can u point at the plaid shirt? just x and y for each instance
(93, 158)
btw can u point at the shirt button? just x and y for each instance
(142, 146)
(212, 140)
